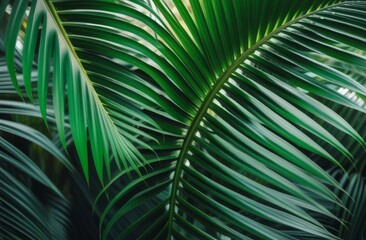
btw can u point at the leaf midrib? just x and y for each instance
(99, 104)
(206, 103)
(71, 48)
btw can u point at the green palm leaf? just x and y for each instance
(87, 111)
(218, 100)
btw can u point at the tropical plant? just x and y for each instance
(237, 119)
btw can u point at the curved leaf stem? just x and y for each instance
(205, 105)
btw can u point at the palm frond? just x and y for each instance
(251, 129)
(93, 118)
